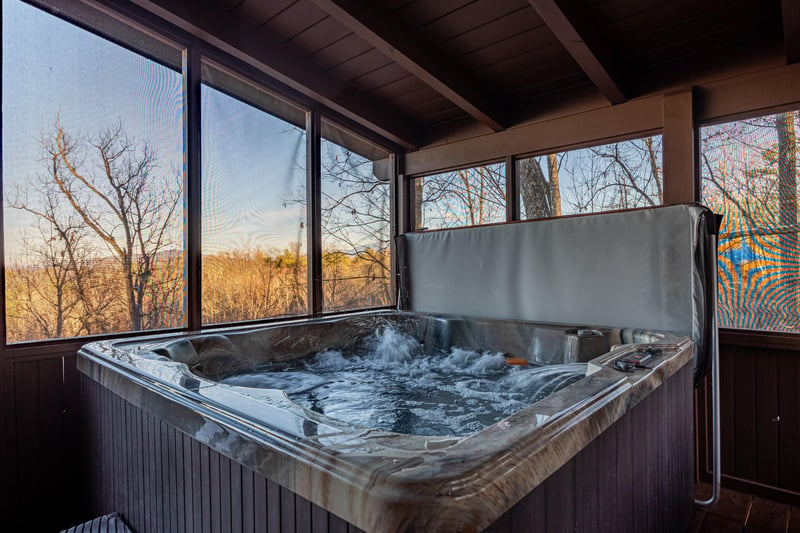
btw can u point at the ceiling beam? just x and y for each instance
(223, 31)
(564, 28)
(790, 11)
(381, 28)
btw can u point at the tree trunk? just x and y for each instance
(535, 190)
(787, 202)
(555, 189)
(417, 203)
(654, 170)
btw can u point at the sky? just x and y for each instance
(252, 162)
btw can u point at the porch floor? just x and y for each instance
(741, 512)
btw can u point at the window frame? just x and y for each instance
(779, 340)
(509, 181)
(194, 52)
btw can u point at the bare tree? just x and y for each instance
(623, 175)
(750, 175)
(112, 189)
(44, 294)
(465, 197)
(541, 195)
(356, 231)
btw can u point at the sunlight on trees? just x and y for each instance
(103, 252)
(242, 284)
(622, 175)
(465, 197)
(356, 226)
(253, 234)
(749, 174)
(106, 254)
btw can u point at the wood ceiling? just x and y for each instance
(414, 70)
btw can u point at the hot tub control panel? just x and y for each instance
(643, 358)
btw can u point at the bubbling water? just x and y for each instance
(393, 384)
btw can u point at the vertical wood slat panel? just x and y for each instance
(150, 482)
(162, 476)
(744, 424)
(529, 513)
(607, 483)
(337, 525)
(40, 455)
(624, 489)
(168, 472)
(236, 496)
(132, 443)
(125, 488)
(274, 507)
(26, 407)
(139, 466)
(217, 489)
(302, 508)
(574, 495)
(789, 427)
(319, 519)
(727, 419)
(559, 488)
(765, 382)
(197, 488)
(288, 523)
(248, 500)
(260, 504)
(188, 468)
(225, 498)
(71, 440)
(587, 501)
(8, 447)
(639, 467)
(180, 496)
(760, 419)
(664, 489)
(666, 486)
(205, 483)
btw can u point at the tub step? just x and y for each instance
(110, 523)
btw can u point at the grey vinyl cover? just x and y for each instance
(634, 269)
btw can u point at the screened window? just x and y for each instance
(621, 175)
(749, 175)
(356, 221)
(465, 197)
(254, 198)
(93, 181)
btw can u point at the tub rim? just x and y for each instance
(379, 480)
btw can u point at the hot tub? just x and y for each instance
(378, 472)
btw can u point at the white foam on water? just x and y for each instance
(331, 360)
(392, 384)
(391, 346)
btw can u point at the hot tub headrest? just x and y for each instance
(645, 269)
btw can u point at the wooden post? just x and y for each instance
(314, 212)
(193, 182)
(681, 184)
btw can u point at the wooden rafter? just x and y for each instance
(565, 31)
(401, 43)
(790, 11)
(282, 63)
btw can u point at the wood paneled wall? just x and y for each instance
(760, 408)
(41, 488)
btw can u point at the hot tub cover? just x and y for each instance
(646, 268)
